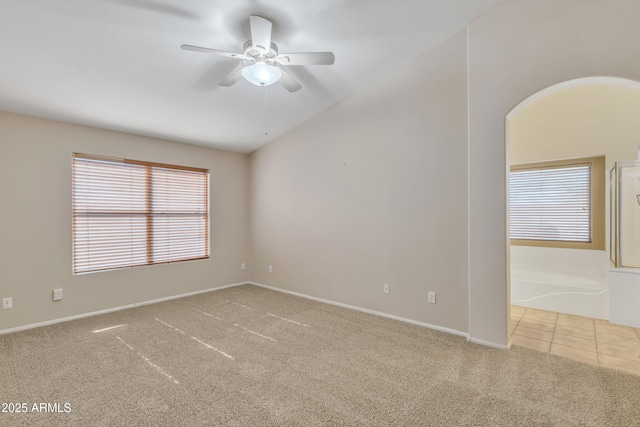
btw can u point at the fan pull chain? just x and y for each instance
(265, 110)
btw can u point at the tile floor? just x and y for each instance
(584, 339)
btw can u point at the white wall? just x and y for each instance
(624, 296)
(516, 50)
(35, 222)
(373, 191)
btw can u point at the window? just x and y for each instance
(129, 213)
(559, 204)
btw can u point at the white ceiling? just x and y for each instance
(117, 64)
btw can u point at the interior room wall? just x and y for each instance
(516, 50)
(35, 222)
(373, 191)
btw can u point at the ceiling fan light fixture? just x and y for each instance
(261, 74)
(262, 62)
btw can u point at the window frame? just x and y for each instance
(149, 213)
(597, 207)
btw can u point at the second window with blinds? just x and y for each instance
(129, 213)
(558, 204)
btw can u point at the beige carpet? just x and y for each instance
(248, 356)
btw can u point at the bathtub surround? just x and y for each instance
(571, 281)
(564, 294)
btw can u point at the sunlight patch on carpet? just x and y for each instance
(209, 346)
(170, 326)
(237, 326)
(288, 320)
(149, 362)
(108, 329)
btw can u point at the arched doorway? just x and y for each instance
(578, 119)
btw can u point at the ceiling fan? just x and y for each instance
(262, 62)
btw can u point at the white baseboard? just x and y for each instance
(490, 344)
(111, 310)
(325, 301)
(365, 310)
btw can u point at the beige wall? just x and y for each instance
(581, 121)
(373, 191)
(35, 221)
(516, 50)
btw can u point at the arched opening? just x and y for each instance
(580, 119)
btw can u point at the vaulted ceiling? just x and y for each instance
(117, 64)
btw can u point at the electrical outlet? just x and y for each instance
(432, 297)
(385, 288)
(270, 269)
(7, 303)
(57, 294)
(243, 266)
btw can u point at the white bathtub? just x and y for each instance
(562, 293)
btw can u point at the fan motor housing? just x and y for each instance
(250, 51)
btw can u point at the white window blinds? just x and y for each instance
(551, 203)
(129, 213)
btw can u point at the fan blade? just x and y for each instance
(232, 78)
(260, 33)
(288, 82)
(306, 58)
(213, 51)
